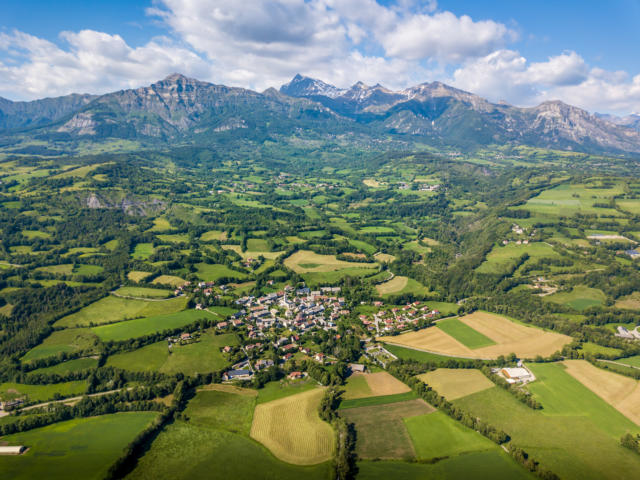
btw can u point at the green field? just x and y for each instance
(87, 270)
(464, 333)
(186, 451)
(142, 292)
(276, 390)
(212, 272)
(41, 393)
(380, 431)
(320, 278)
(502, 257)
(69, 366)
(201, 357)
(207, 445)
(363, 246)
(213, 235)
(147, 326)
(580, 298)
(438, 436)
(490, 465)
(222, 410)
(594, 348)
(567, 199)
(633, 361)
(142, 251)
(80, 448)
(112, 309)
(378, 400)
(63, 341)
(173, 238)
(576, 435)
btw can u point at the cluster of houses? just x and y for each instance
(299, 310)
(397, 319)
(623, 332)
(518, 230)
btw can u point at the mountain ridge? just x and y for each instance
(179, 108)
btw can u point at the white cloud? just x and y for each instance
(446, 37)
(507, 75)
(265, 42)
(93, 62)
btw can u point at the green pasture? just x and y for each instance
(576, 435)
(212, 272)
(79, 448)
(112, 309)
(464, 333)
(437, 435)
(501, 257)
(63, 341)
(200, 357)
(283, 388)
(187, 451)
(142, 292)
(147, 326)
(486, 465)
(579, 298)
(41, 393)
(142, 251)
(221, 410)
(69, 366)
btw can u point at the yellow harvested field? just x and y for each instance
(432, 340)
(455, 383)
(524, 341)
(392, 286)
(623, 393)
(304, 261)
(510, 337)
(254, 254)
(169, 280)
(292, 430)
(384, 257)
(383, 383)
(370, 182)
(137, 276)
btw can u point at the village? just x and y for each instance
(277, 327)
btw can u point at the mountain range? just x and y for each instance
(179, 109)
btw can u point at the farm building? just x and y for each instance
(517, 374)
(357, 367)
(238, 375)
(633, 253)
(16, 450)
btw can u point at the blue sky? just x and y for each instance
(524, 52)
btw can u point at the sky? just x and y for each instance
(521, 51)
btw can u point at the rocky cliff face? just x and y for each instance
(15, 115)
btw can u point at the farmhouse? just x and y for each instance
(17, 450)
